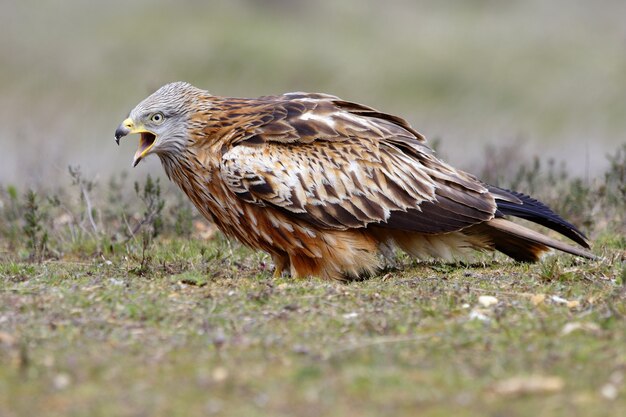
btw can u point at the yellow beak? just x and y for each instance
(146, 142)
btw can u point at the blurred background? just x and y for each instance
(540, 77)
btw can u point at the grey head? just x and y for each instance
(162, 120)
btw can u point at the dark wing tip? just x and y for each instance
(537, 212)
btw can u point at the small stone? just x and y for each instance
(220, 374)
(219, 338)
(478, 315)
(577, 326)
(300, 350)
(487, 300)
(537, 299)
(609, 391)
(116, 282)
(61, 381)
(558, 300)
(526, 385)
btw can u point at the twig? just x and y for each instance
(146, 220)
(130, 231)
(83, 186)
(89, 207)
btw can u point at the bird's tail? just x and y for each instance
(522, 243)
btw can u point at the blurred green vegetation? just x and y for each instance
(547, 76)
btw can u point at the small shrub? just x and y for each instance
(150, 195)
(10, 212)
(36, 234)
(183, 215)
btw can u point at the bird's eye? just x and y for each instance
(157, 118)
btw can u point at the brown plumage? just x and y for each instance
(325, 185)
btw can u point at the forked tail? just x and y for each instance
(522, 243)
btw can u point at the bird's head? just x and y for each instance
(162, 120)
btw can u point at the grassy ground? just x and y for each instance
(114, 303)
(201, 329)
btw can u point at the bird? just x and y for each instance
(330, 188)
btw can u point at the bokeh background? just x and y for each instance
(541, 77)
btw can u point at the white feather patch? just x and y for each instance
(319, 118)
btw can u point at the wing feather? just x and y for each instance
(342, 165)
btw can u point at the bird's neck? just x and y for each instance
(194, 179)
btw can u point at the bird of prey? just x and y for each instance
(326, 186)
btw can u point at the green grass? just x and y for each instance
(202, 329)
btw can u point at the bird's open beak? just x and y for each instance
(146, 141)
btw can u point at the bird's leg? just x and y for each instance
(281, 264)
(389, 258)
